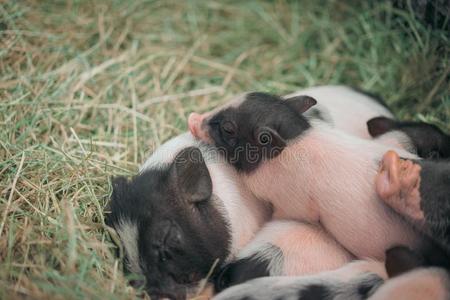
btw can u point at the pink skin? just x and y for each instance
(335, 159)
(195, 124)
(397, 184)
(306, 248)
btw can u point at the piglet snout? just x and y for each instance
(197, 128)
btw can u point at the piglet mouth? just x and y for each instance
(198, 127)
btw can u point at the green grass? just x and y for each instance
(89, 88)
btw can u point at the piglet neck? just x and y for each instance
(244, 213)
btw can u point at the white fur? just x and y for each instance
(128, 233)
(244, 212)
(397, 139)
(166, 153)
(327, 176)
(342, 283)
(260, 249)
(349, 110)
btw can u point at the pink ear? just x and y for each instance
(301, 103)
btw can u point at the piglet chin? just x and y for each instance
(195, 125)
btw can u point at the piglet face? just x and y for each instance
(170, 224)
(254, 129)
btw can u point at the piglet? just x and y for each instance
(187, 209)
(181, 213)
(355, 281)
(342, 107)
(308, 170)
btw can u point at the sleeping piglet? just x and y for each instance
(159, 205)
(341, 107)
(307, 169)
(187, 208)
(180, 214)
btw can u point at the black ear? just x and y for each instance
(380, 125)
(119, 188)
(191, 176)
(400, 260)
(267, 136)
(301, 103)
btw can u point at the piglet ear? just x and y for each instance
(380, 125)
(266, 136)
(400, 260)
(190, 175)
(301, 103)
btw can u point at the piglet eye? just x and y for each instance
(228, 128)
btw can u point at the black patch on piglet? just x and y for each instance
(435, 199)
(259, 128)
(173, 221)
(315, 291)
(428, 140)
(240, 271)
(367, 285)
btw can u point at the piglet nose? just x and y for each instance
(194, 123)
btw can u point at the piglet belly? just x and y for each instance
(367, 229)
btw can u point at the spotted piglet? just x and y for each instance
(308, 170)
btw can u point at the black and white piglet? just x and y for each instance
(354, 281)
(419, 191)
(187, 208)
(418, 284)
(308, 170)
(159, 198)
(342, 107)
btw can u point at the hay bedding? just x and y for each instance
(88, 89)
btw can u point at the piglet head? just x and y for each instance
(170, 224)
(255, 128)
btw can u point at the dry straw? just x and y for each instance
(89, 88)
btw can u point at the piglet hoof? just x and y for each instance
(397, 184)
